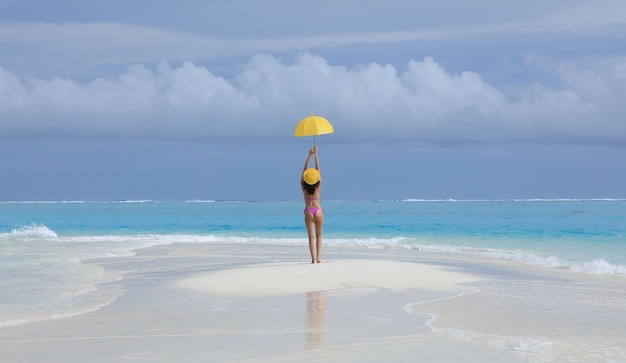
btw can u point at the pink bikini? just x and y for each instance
(313, 211)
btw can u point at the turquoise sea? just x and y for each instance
(46, 247)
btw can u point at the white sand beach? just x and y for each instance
(262, 303)
(284, 279)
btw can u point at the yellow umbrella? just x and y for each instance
(313, 126)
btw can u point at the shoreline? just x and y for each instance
(208, 302)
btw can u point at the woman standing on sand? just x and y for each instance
(311, 183)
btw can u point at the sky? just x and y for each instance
(198, 99)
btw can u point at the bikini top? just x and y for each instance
(312, 198)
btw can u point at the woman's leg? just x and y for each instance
(310, 229)
(319, 225)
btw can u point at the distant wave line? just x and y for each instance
(407, 200)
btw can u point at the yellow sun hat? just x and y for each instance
(311, 176)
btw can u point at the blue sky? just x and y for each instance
(179, 100)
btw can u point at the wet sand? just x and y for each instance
(234, 302)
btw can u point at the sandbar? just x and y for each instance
(230, 302)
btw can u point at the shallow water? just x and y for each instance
(46, 248)
(510, 313)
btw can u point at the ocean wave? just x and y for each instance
(525, 257)
(410, 200)
(598, 266)
(31, 231)
(520, 200)
(42, 202)
(126, 245)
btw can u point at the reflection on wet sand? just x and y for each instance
(316, 307)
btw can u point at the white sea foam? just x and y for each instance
(519, 200)
(143, 201)
(525, 257)
(31, 231)
(598, 266)
(125, 245)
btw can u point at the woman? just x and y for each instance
(311, 183)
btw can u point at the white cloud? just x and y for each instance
(369, 102)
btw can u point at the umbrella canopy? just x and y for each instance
(313, 126)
